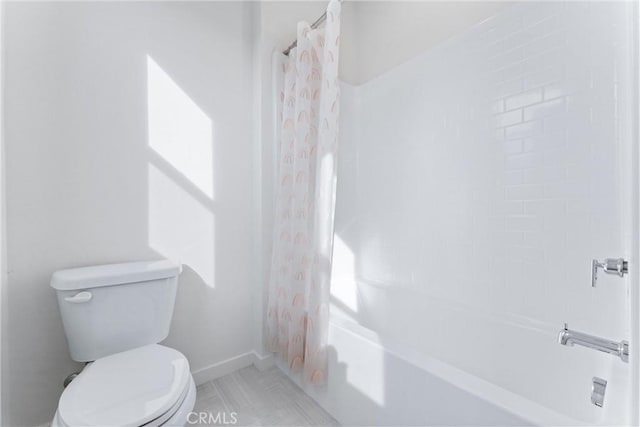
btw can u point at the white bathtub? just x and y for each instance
(369, 384)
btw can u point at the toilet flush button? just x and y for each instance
(80, 297)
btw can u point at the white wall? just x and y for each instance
(128, 134)
(3, 230)
(477, 181)
(384, 34)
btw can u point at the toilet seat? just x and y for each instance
(179, 418)
(143, 386)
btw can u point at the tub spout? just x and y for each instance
(564, 336)
(569, 338)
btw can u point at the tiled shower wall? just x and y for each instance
(476, 183)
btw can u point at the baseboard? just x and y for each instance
(232, 364)
(223, 368)
(263, 362)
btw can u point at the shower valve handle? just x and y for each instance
(610, 265)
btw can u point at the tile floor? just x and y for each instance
(267, 398)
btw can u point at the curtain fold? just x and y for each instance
(298, 308)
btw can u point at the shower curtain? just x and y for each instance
(298, 308)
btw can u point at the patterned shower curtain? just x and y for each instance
(298, 308)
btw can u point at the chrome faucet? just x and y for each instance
(617, 266)
(569, 337)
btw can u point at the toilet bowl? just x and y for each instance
(114, 316)
(150, 386)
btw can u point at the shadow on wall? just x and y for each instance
(134, 144)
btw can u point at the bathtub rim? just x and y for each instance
(513, 403)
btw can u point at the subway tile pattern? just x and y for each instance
(488, 173)
(250, 397)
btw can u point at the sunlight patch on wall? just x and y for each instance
(344, 287)
(377, 253)
(369, 377)
(179, 131)
(363, 357)
(180, 227)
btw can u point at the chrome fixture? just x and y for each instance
(610, 265)
(598, 387)
(313, 26)
(569, 337)
(70, 378)
(73, 376)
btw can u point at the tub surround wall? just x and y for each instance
(476, 183)
(102, 101)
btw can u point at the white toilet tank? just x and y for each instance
(107, 309)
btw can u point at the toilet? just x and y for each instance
(114, 316)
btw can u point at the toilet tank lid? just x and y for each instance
(113, 274)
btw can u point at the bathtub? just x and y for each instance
(370, 384)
